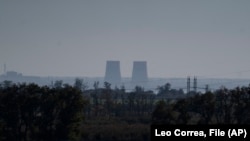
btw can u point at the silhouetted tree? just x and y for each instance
(80, 84)
(58, 84)
(165, 89)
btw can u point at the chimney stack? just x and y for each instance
(113, 73)
(139, 74)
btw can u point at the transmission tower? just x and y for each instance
(195, 84)
(188, 84)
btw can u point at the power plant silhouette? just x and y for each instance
(139, 77)
(139, 73)
(113, 73)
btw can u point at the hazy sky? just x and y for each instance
(177, 38)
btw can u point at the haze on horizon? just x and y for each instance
(177, 38)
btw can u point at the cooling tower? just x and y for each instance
(113, 74)
(139, 74)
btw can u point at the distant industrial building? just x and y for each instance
(139, 73)
(113, 73)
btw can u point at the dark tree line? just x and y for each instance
(31, 112)
(62, 112)
(220, 107)
(44, 113)
(114, 114)
(107, 103)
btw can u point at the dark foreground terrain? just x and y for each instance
(29, 112)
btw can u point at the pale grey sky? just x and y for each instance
(177, 38)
